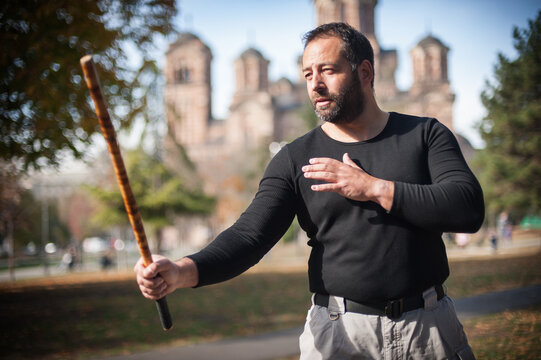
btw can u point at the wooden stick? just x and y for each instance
(93, 83)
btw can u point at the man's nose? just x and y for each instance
(316, 83)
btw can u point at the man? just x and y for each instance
(374, 191)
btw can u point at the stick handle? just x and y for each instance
(93, 84)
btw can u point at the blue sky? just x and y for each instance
(475, 31)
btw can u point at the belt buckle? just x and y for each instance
(394, 309)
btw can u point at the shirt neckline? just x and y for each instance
(375, 138)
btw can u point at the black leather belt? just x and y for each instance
(392, 309)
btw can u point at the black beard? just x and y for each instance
(348, 104)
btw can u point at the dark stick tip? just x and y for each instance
(165, 315)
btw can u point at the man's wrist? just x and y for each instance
(188, 273)
(384, 193)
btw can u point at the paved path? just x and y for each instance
(529, 245)
(281, 344)
(498, 301)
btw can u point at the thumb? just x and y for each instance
(347, 160)
(160, 264)
(150, 271)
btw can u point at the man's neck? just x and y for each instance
(365, 127)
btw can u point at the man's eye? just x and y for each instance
(307, 76)
(328, 70)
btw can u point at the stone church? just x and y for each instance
(265, 112)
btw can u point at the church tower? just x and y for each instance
(431, 86)
(429, 58)
(357, 13)
(251, 120)
(360, 14)
(251, 74)
(188, 90)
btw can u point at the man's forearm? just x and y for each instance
(449, 207)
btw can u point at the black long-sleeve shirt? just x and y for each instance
(359, 250)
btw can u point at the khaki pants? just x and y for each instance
(430, 333)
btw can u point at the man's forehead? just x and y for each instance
(323, 50)
(328, 41)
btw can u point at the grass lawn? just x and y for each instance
(509, 335)
(88, 317)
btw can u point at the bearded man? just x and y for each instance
(374, 191)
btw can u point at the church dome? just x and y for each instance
(186, 38)
(429, 41)
(251, 52)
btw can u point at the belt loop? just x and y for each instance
(336, 307)
(430, 298)
(336, 304)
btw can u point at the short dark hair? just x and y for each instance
(355, 45)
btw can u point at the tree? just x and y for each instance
(44, 104)
(510, 164)
(160, 194)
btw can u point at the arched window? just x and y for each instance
(183, 75)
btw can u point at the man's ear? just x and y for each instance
(365, 71)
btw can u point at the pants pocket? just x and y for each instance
(466, 353)
(451, 331)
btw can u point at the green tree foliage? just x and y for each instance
(44, 104)
(160, 194)
(510, 164)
